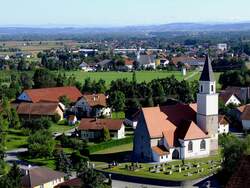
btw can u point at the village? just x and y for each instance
(124, 94)
(81, 124)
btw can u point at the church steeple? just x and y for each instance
(207, 73)
(207, 104)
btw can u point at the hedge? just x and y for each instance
(104, 145)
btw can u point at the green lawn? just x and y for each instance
(216, 76)
(118, 115)
(15, 139)
(171, 166)
(60, 128)
(109, 76)
(116, 149)
(140, 76)
(48, 162)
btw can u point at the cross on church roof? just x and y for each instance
(207, 73)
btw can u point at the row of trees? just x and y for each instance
(124, 94)
(40, 79)
(235, 78)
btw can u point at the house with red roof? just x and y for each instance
(180, 131)
(92, 128)
(50, 94)
(92, 105)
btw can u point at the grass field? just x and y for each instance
(15, 139)
(141, 76)
(37, 46)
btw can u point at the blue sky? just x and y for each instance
(121, 12)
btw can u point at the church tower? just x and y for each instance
(207, 104)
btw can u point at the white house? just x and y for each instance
(85, 67)
(92, 105)
(229, 98)
(222, 46)
(146, 61)
(72, 120)
(223, 125)
(92, 129)
(180, 131)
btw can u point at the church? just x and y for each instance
(180, 131)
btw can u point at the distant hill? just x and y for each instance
(174, 27)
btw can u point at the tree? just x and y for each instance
(233, 150)
(22, 65)
(106, 134)
(185, 92)
(117, 101)
(91, 178)
(60, 80)
(41, 144)
(44, 61)
(43, 78)
(63, 163)
(12, 179)
(78, 161)
(100, 86)
(3, 128)
(43, 123)
(65, 101)
(149, 102)
(26, 80)
(14, 121)
(87, 86)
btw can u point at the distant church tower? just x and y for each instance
(207, 104)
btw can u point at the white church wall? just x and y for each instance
(208, 104)
(196, 151)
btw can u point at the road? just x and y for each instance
(12, 157)
(124, 184)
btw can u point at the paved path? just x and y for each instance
(12, 157)
(191, 76)
(124, 184)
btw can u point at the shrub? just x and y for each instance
(41, 144)
(74, 143)
(56, 118)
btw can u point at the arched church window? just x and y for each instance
(190, 146)
(212, 88)
(203, 145)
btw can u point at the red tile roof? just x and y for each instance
(160, 150)
(246, 113)
(38, 108)
(99, 124)
(168, 121)
(76, 182)
(129, 61)
(223, 120)
(96, 100)
(53, 94)
(189, 131)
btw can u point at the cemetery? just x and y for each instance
(178, 170)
